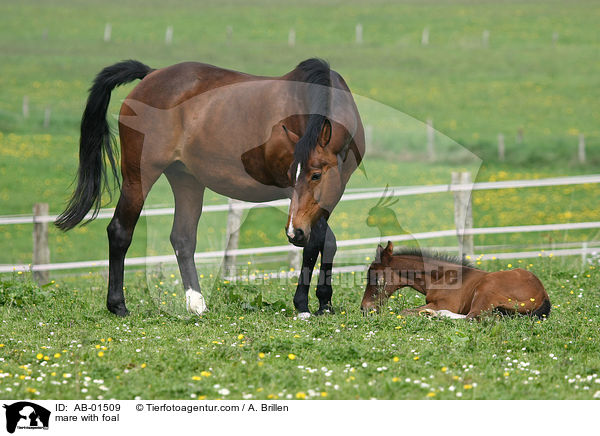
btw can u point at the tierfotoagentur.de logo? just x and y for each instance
(25, 415)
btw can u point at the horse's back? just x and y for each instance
(169, 86)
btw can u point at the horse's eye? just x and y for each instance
(316, 176)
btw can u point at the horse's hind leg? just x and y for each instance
(328, 249)
(189, 194)
(120, 233)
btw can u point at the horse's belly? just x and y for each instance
(232, 181)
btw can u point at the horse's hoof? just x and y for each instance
(326, 310)
(118, 309)
(194, 302)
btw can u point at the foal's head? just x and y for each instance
(382, 280)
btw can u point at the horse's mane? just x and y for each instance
(313, 71)
(433, 254)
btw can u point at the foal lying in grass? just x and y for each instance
(453, 288)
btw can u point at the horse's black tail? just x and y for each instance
(543, 311)
(96, 143)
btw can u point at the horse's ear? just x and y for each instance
(378, 253)
(291, 135)
(389, 248)
(325, 135)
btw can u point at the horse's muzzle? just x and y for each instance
(298, 238)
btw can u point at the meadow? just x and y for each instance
(541, 91)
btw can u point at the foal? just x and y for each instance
(453, 288)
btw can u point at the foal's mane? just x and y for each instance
(435, 255)
(313, 71)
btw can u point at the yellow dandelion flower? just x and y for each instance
(261, 355)
(143, 365)
(444, 369)
(467, 387)
(291, 356)
(300, 395)
(506, 374)
(196, 378)
(206, 373)
(396, 359)
(532, 299)
(323, 394)
(416, 358)
(240, 337)
(431, 394)
(39, 356)
(100, 353)
(57, 355)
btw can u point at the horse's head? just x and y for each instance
(319, 180)
(380, 281)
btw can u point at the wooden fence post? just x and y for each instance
(234, 222)
(107, 32)
(581, 149)
(425, 36)
(229, 33)
(169, 35)
(430, 140)
(25, 107)
(295, 259)
(369, 136)
(463, 213)
(47, 114)
(41, 251)
(584, 250)
(359, 33)
(501, 146)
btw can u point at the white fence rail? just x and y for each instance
(350, 195)
(356, 194)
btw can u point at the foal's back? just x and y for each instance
(515, 290)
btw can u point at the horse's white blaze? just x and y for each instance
(304, 315)
(290, 229)
(194, 302)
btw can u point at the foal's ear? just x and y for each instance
(389, 248)
(291, 135)
(325, 135)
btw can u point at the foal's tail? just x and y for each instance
(96, 143)
(544, 310)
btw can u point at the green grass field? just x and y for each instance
(251, 346)
(63, 344)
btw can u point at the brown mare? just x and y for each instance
(453, 288)
(247, 137)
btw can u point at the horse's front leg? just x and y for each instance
(328, 249)
(309, 258)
